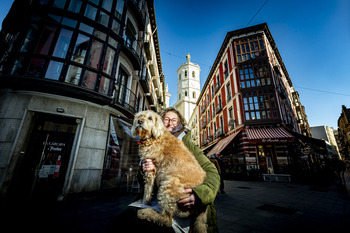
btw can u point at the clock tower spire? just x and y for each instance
(188, 87)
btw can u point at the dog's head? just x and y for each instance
(148, 124)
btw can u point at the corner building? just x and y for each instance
(73, 74)
(246, 105)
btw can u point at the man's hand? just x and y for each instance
(148, 165)
(189, 202)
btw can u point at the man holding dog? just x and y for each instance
(200, 196)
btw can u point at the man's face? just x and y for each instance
(170, 120)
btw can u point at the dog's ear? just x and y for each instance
(133, 130)
(159, 127)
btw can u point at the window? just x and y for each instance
(45, 40)
(74, 6)
(109, 59)
(194, 94)
(226, 71)
(80, 48)
(250, 48)
(107, 4)
(185, 93)
(62, 43)
(36, 67)
(119, 9)
(104, 85)
(193, 74)
(89, 80)
(95, 53)
(90, 12)
(185, 73)
(54, 70)
(228, 92)
(254, 75)
(179, 76)
(258, 107)
(73, 75)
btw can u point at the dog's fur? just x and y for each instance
(176, 170)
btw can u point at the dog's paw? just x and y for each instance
(145, 214)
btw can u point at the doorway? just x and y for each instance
(42, 170)
(266, 158)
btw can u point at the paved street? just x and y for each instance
(246, 207)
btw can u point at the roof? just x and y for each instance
(244, 31)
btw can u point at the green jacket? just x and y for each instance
(207, 191)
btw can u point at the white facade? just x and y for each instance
(188, 88)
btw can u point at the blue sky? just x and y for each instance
(313, 38)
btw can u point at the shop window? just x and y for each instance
(121, 160)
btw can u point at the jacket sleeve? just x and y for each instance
(208, 189)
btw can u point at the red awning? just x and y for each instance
(222, 144)
(278, 134)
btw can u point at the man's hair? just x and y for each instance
(171, 109)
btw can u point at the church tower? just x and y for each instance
(188, 87)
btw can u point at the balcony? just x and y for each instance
(218, 108)
(204, 124)
(138, 7)
(217, 87)
(132, 49)
(148, 46)
(231, 122)
(145, 82)
(219, 132)
(125, 98)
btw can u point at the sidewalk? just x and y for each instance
(282, 207)
(246, 207)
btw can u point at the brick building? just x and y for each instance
(246, 105)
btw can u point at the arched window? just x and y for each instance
(185, 93)
(185, 73)
(193, 74)
(179, 96)
(179, 76)
(194, 94)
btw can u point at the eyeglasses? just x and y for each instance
(174, 121)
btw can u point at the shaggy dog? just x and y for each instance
(176, 170)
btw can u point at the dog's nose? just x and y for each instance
(140, 121)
